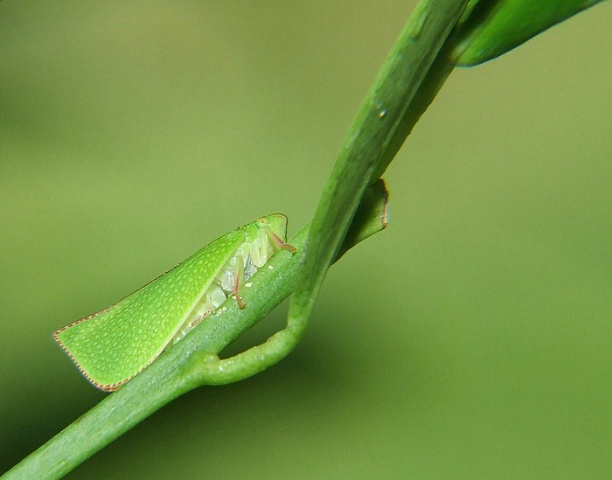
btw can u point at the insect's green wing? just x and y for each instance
(113, 345)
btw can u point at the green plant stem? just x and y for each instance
(410, 78)
(383, 122)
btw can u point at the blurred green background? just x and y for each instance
(469, 340)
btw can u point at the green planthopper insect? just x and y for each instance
(113, 345)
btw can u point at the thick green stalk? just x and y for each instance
(375, 136)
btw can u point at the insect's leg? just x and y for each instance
(278, 242)
(238, 277)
